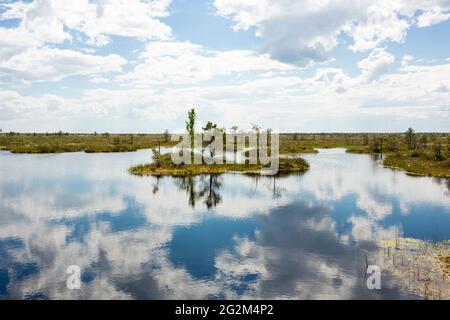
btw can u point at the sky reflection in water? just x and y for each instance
(228, 236)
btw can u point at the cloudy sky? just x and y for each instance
(291, 65)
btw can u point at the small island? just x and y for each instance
(165, 167)
(163, 164)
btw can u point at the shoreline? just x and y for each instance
(423, 167)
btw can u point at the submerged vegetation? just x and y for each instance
(423, 267)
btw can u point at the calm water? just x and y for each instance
(229, 236)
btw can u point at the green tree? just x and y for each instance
(156, 156)
(209, 126)
(166, 135)
(190, 125)
(212, 127)
(410, 138)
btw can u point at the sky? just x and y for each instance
(137, 66)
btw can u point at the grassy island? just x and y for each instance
(165, 167)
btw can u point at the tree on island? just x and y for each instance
(211, 128)
(156, 155)
(190, 125)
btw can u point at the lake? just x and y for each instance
(227, 236)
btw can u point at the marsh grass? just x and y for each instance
(419, 166)
(63, 142)
(430, 157)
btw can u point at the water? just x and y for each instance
(229, 236)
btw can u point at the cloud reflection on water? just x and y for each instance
(290, 237)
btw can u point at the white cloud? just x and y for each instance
(442, 88)
(50, 64)
(376, 64)
(13, 41)
(25, 52)
(406, 59)
(168, 75)
(306, 31)
(96, 79)
(184, 62)
(431, 17)
(377, 23)
(331, 98)
(47, 20)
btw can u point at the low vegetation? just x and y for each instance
(419, 166)
(65, 142)
(417, 153)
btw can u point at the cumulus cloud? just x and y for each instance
(409, 95)
(431, 17)
(13, 41)
(51, 21)
(376, 64)
(184, 62)
(26, 52)
(307, 31)
(51, 64)
(167, 74)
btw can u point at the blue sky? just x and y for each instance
(294, 66)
